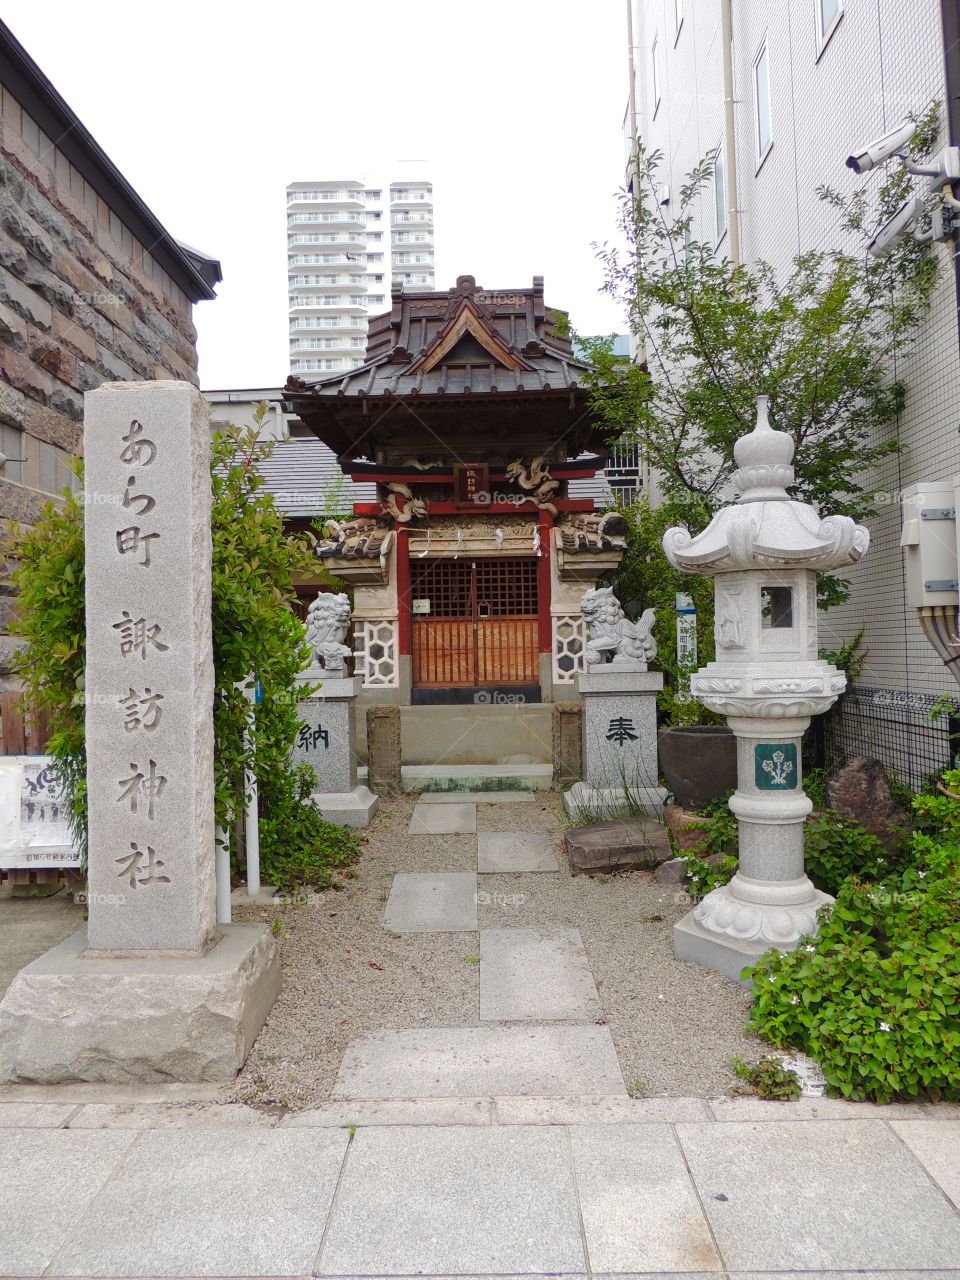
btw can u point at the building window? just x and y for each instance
(719, 192)
(677, 18)
(829, 13)
(761, 104)
(656, 78)
(11, 446)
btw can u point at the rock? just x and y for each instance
(617, 844)
(685, 827)
(674, 871)
(860, 790)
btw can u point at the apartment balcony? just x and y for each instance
(318, 199)
(420, 219)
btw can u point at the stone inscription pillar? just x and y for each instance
(149, 673)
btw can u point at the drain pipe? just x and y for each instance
(632, 100)
(730, 141)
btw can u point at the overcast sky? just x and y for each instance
(210, 109)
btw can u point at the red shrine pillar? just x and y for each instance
(403, 591)
(545, 620)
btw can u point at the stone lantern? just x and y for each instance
(763, 552)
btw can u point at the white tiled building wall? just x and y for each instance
(882, 60)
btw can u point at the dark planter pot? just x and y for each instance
(699, 763)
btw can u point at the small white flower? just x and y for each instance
(884, 1026)
(772, 978)
(809, 947)
(921, 875)
(794, 999)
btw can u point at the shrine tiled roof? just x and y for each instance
(466, 345)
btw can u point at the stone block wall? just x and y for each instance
(82, 301)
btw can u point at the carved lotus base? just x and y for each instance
(775, 924)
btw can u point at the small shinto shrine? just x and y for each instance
(471, 413)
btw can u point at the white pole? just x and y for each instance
(224, 913)
(253, 815)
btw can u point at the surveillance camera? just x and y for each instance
(909, 213)
(882, 149)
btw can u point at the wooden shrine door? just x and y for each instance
(474, 623)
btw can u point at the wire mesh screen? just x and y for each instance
(892, 725)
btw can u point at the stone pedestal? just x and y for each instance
(152, 989)
(770, 902)
(143, 1019)
(327, 743)
(619, 742)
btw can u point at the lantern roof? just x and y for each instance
(765, 528)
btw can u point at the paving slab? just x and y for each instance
(50, 1177)
(443, 819)
(455, 1201)
(432, 902)
(935, 1146)
(187, 1115)
(239, 1202)
(794, 1195)
(394, 1111)
(753, 1108)
(640, 1209)
(35, 1115)
(925, 1274)
(480, 1062)
(585, 1110)
(477, 797)
(499, 852)
(527, 975)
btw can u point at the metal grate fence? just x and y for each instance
(894, 726)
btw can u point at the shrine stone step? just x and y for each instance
(531, 976)
(476, 777)
(481, 1062)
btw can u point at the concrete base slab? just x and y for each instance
(70, 1017)
(478, 1062)
(476, 777)
(526, 975)
(447, 819)
(728, 956)
(354, 808)
(477, 797)
(499, 852)
(242, 897)
(591, 804)
(432, 902)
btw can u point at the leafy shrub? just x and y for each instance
(702, 876)
(875, 997)
(836, 848)
(769, 1078)
(298, 848)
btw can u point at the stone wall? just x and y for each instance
(82, 301)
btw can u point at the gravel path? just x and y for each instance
(675, 1025)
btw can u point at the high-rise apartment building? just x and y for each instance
(347, 243)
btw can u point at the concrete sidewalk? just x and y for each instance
(105, 1181)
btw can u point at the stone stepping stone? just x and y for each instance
(526, 975)
(481, 1062)
(432, 902)
(443, 819)
(477, 797)
(504, 851)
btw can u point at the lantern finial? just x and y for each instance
(763, 458)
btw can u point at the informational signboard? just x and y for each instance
(34, 821)
(471, 483)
